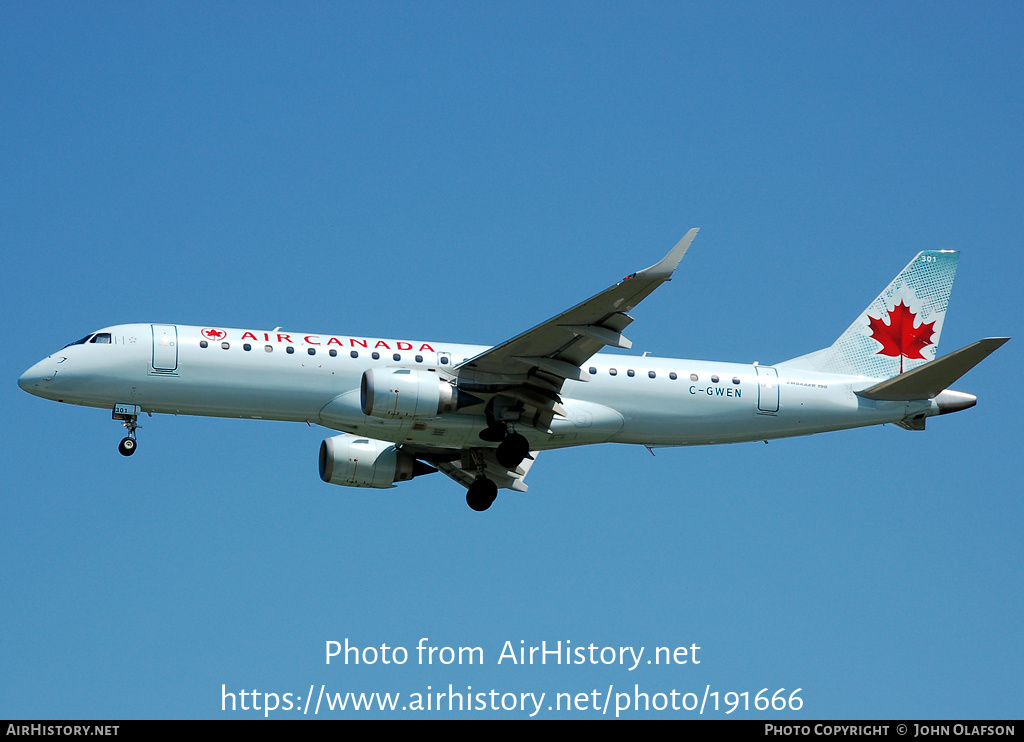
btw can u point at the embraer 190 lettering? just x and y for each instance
(482, 414)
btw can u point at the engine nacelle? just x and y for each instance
(357, 461)
(394, 393)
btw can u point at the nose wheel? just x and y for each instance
(128, 415)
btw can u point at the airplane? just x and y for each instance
(481, 415)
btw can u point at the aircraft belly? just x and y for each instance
(687, 422)
(223, 390)
(229, 401)
(586, 423)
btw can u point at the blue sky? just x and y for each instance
(462, 172)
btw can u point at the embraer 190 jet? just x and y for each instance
(482, 414)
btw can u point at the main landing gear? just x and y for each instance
(481, 494)
(128, 414)
(512, 450)
(514, 447)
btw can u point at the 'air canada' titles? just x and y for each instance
(284, 337)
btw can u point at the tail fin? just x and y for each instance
(900, 329)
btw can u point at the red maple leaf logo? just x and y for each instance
(214, 334)
(899, 337)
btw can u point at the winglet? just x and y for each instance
(670, 262)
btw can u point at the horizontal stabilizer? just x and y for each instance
(929, 380)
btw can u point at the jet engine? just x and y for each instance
(393, 393)
(357, 461)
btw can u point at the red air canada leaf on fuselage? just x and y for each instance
(899, 338)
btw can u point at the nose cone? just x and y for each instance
(36, 379)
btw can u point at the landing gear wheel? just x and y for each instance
(481, 494)
(493, 433)
(512, 450)
(128, 415)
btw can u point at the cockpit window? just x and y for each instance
(101, 337)
(83, 341)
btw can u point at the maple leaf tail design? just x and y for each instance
(898, 335)
(899, 330)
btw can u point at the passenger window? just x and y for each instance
(247, 347)
(693, 377)
(312, 351)
(333, 353)
(673, 376)
(630, 373)
(225, 345)
(354, 353)
(419, 359)
(592, 370)
(714, 378)
(735, 379)
(651, 374)
(268, 348)
(375, 356)
(203, 344)
(289, 350)
(397, 356)
(612, 372)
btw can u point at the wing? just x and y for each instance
(533, 366)
(520, 380)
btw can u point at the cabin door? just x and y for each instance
(767, 390)
(165, 347)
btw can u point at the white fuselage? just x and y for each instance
(277, 375)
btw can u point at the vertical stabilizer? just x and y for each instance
(900, 329)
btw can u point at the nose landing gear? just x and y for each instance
(128, 414)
